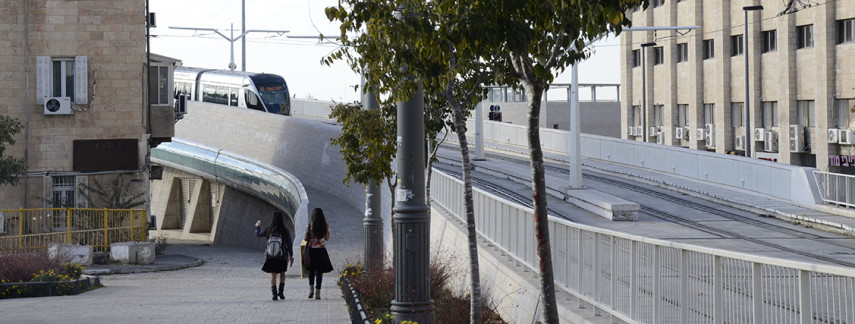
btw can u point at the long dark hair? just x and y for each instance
(277, 225)
(319, 223)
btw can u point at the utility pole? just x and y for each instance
(243, 40)
(372, 224)
(232, 39)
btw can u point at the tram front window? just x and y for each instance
(275, 97)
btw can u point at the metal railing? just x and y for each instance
(836, 188)
(644, 280)
(36, 228)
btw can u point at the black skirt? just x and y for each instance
(275, 265)
(320, 260)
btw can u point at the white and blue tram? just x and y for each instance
(258, 91)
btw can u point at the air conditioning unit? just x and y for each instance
(770, 139)
(659, 138)
(678, 132)
(709, 135)
(639, 131)
(797, 141)
(833, 135)
(740, 142)
(653, 131)
(58, 106)
(845, 137)
(630, 131)
(758, 134)
(700, 134)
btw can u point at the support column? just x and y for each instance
(373, 222)
(412, 218)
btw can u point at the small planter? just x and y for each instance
(48, 288)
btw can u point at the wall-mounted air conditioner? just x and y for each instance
(659, 138)
(740, 142)
(680, 133)
(639, 131)
(833, 135)
(770, 141)
(845, 136)
(796, 138)
(58, 106)
(700, 134)
(758, 134)
(653, 131)
(630, 131)
(709, 135)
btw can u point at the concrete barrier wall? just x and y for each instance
(783, 181)
(313, 108)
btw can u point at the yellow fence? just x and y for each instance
(36, 228)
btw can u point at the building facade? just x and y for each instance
(688, 87)
(73, 72)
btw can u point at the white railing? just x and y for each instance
(644, 280)
(836, 188)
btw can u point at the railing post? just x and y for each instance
(718, 311)
(657, 284)
(684, 286)
(21, 228)
(132, 224)
(757, 281)
(106, 243)
(804, 297)
(633, 283)
(68, 225)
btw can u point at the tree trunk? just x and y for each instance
(538, 183)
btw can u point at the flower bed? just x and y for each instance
(34, 274)
(369, 296)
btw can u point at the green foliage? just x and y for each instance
(114, 197)
(10, 167)
(367, 142)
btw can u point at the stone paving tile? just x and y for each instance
(229, 288)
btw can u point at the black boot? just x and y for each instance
(282, 290)
(273, 289)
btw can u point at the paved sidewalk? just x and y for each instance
(219, 285)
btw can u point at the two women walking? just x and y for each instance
(278, 253)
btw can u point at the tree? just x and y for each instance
(541, 37)
(10, 167)
(437, 43)
(114, 197)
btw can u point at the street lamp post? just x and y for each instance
(748, 139)
(644, 90)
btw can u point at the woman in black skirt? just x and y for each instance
(317, 235)
(276, 264)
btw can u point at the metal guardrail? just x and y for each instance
(836, 188)
(36, 228)
(644, 280)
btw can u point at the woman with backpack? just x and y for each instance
(317, 235)
(277, 253)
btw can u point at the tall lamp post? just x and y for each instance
(748, 138)
(644, 90)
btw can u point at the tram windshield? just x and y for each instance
(275, 97)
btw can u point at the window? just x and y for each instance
(61, 77)
(709, 114)
(844, 112)
(252, 100)
(769, 114)
(636, 58)
(709, 46)
(807, 113)
(62, 192)
(736, 42)
(770, 41)
(736, 109)
(159, 84)
(682, 52)
(636, 115)
(658, 112)
(845, 31)
(185, 88)
(682, 115)
(805, 35)
(657, 3)
(658, 55)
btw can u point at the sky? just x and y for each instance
(298, 60)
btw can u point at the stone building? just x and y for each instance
(73, 72)
(801, 85)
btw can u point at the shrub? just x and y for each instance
(160, 244)
(22, 266)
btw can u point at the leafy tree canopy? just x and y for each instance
(10, 167)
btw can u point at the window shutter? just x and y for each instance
(81, 84)
(43, 79)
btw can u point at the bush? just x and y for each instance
(377, 290)
(160, 244)
(23, 266)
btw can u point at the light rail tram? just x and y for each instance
(258, 91)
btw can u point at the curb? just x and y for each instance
(51, 288)
(354, 304)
